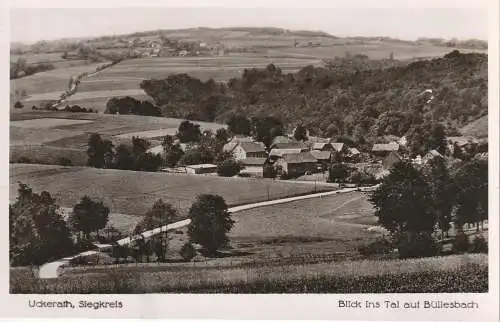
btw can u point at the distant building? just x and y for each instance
(201, 168)
(253, 166)
(297, 164)
(244, 150)
(322, 146)
(283, 139)
(275, 154)
(323, 158)
(384, 149)
(432, 154)
(391, 159)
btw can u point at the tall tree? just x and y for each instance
(440, 184)
(189, 132)
(239, 125)
(98, 151)
(210, 222)
(37, 232)
(300, 133)
(471, 186)
(89, 216)
(403, 202)
(266, 128)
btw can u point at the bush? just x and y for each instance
(63, 161)
(23, 159)
(187, 252)
(479, 245)
(420, 244)
(460, 243)
(228, 168)
(378, 247)
(18, 105)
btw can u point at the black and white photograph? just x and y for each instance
(220, 150)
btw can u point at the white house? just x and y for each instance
(201, 169)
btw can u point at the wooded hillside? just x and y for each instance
(364, 103)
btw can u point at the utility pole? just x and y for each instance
(267, 192)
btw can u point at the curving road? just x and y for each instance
(54, 269)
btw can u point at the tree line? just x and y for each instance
(415, 204)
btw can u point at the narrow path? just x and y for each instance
(53, 269)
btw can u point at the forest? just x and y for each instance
(363, 103)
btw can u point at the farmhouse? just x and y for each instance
(432, 154)
(297, 164)
(253, 166)
(391, 159)
(279, 153)
(322, 146)
(282, 139)
(384, 149)
(201, 168)
(243, 150)
(323, 158)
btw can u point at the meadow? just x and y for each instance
(134, 193)
(450, 274)
(50, 84)
(46, 136)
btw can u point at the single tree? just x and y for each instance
(338, 172)
(300, 133)
(269, 171)
(188, 132)
(98, 151)
(471, 192)
(173, 155)
(403, 202)
(37, 232)
(266, 128)
(210, 222)
(89, 216)
(239, 125)
(124, 159)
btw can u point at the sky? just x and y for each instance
(33, 24)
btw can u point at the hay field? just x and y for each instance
(373, 49)
(133, 192)
(448, 274)
(124, 79)
(54, 134)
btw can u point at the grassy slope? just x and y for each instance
(133, 192)
(478, 128)
(49, 143)
(458, 273)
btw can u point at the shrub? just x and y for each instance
(23, 159)
(420, 244)
(18, 105)
(187, 252)
(460, 243)
(479, 245)
(228, 168)
(380, 246)
(63, 161)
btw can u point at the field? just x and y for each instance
(450, 274)
(46, 136)
(133, 192)
(125, 78)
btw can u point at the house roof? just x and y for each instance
(289, 145)
(282, 139)
(319, 145)
(303, 157)
(254, 161)
(157, 149)
(253, 146)
(393, 146)
(433, 154)
(354, 151)
(202, 166)
(461, 140)
(281, 152)
(337, 146)
(321, 155)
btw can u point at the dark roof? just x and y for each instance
(321, 155)
(254, 161)
(253, 146)
(303, 157)
(289, 145)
